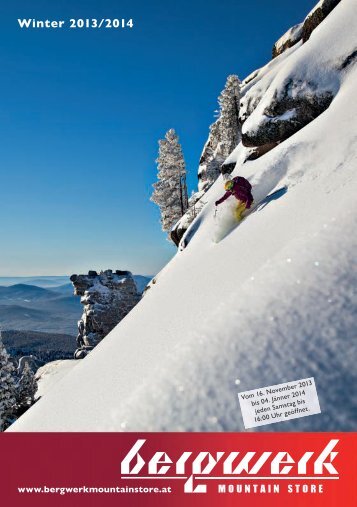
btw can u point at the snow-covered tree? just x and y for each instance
(26, 388)
(229, 126)
(7, 388)
(170, 191)
(224, 135)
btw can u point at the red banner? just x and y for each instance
(169, 469)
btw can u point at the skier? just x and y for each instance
(241, 189)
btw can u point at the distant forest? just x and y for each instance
(45, 346)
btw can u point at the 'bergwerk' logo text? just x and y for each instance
(231, 464)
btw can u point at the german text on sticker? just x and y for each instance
(280, 402)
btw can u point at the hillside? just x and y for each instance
(23, 292)
(46, 308)
(39, 281)
(45, 346)
(273, 301)
(28, 307)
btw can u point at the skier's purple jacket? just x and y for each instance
(242, 190)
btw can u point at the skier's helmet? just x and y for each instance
(228, 185)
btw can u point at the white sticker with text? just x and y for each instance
(278, 403)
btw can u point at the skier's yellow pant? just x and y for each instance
(239, 210)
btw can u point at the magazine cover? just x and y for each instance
(178, 253)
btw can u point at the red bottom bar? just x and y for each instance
(176, 469)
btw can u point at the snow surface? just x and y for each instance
(273, 302)
(48, 375)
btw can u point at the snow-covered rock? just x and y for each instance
(289, 39)
(321, 10)
(297, 86)
(274, 301)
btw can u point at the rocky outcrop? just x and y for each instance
(107, 298)
(288, 40)
(316, 16)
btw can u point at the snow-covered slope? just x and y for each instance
(48, 375)
(274, 301)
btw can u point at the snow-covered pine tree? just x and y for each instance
(26, 388)
(170, 191)
(224, 135)
(229, 126)
(212, 156)
(7, 388)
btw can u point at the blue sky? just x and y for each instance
(81, 112)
